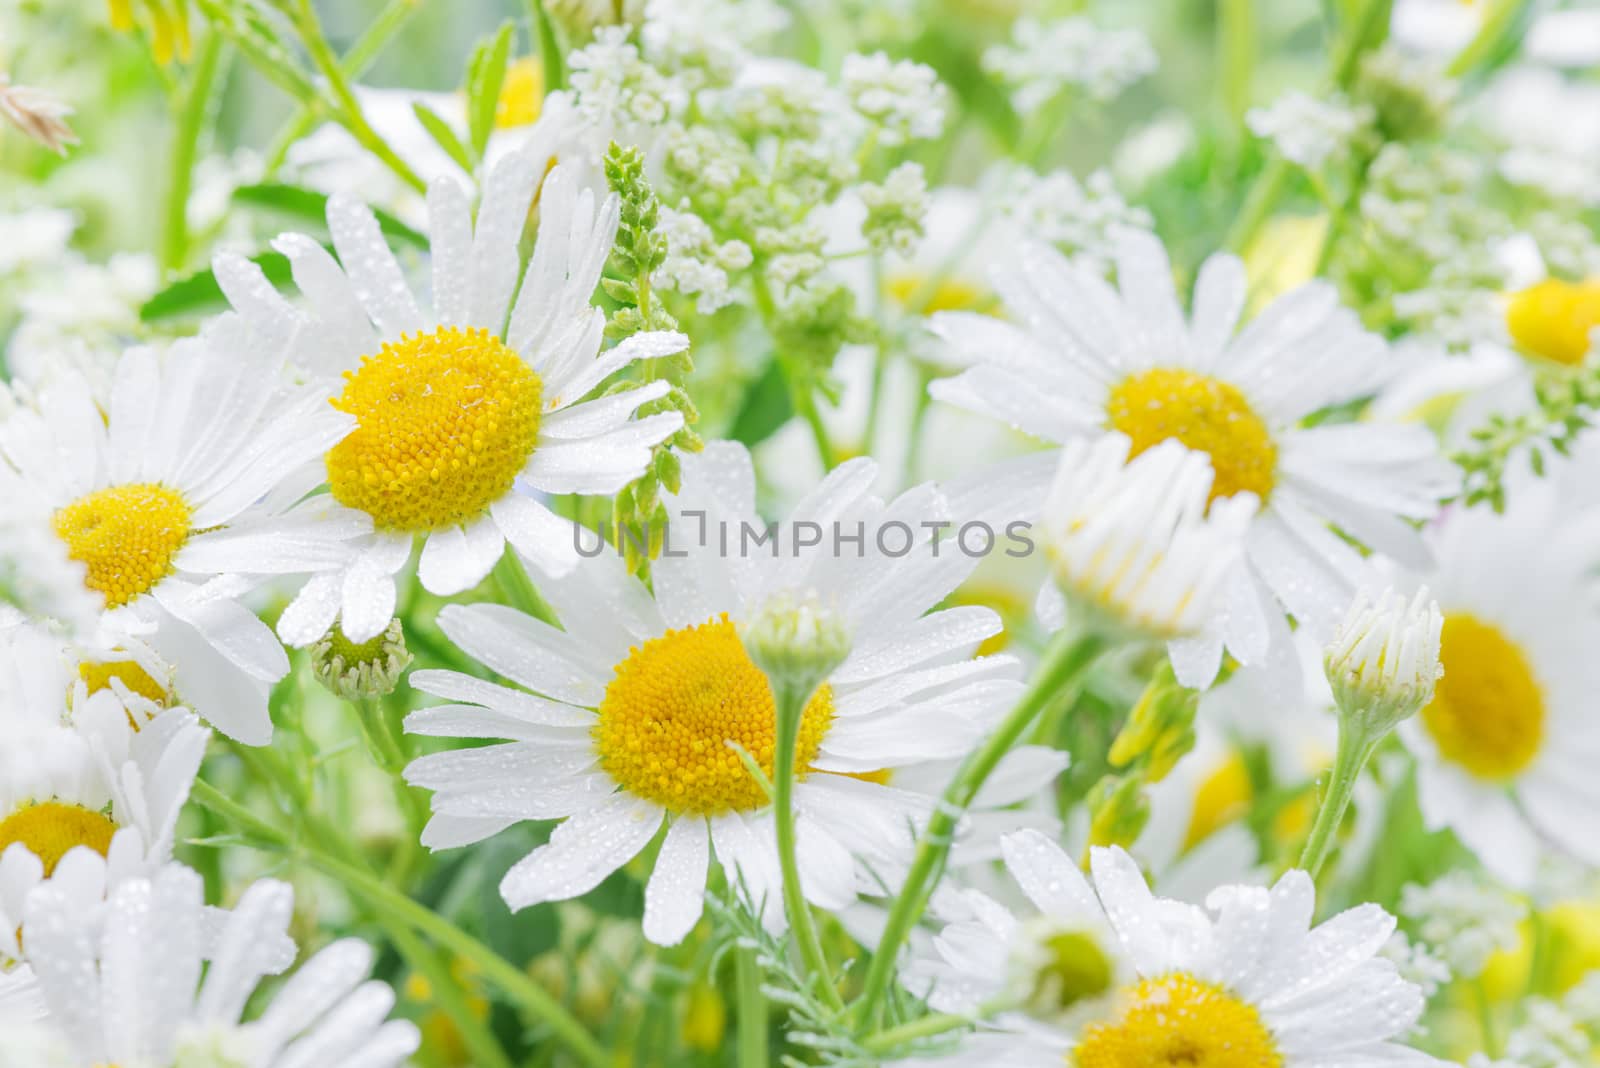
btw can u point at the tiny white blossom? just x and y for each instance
(1045, 58)
(896, 209)
(1417, 963)
(1309, 131)
(697, 264)
(616, 88)
(903, 99)
(1078, 218)
(1462, 920)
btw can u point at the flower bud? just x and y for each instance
(1383, 661)
(356, 672)
(797, 644)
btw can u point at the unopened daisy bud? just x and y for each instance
(797, 644)
(1134, 544)
(356, 672)
(1060, 971)
(1383, 660)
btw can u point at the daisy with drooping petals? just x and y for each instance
(180, 498)
(1107, 975)
(139, 959)
(1507, 748)
(458, 404)
(1083, 358)
(635, 708)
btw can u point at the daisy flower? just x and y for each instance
(91, 795)
(1108, 975)
(123, 985)
(457, 404)
(1507, 746)
(179, 498)
(1083, 358)
(628, 718)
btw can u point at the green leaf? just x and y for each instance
(766, 407)
(485, 74)
(311, 209)
(199, 294)
(443, 136)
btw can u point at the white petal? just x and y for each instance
(675, 895)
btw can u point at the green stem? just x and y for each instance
(518, 589)
(355, 63)
(1236, 55)
(791, 702)
(449, 996)
(1068, 657)
(1355, 746)
(1366, 32)
(192, 119)
(265, 57)
(348, 107)
(752, 1010)
(930, 1026)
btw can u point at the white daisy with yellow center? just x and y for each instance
(1109, 976)
(631, 717)
(460, 405)
(143, 956)
(1081, 358)
(181, 496)
(90, 787)
(1507, 747)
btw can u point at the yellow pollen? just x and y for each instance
(98, 676)
(521, 95)
(445, 421)
(674, 706)
(1204, 414)
(1487, 712)
(1553, 319)
(125, 536)
(1178, 1021)
(51, 829)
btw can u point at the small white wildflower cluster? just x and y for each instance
(896, 208)
(1417, 963)
(1045, 58)
(1548, 1037)
(902, 100)
(1079, 218)
(697, 264)
(707, 42)
(1309, 131)
(616, 89)
(1462, 920)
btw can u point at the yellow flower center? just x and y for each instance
(445, 421)
(1204, 414)
(1222, 797)
(1554, 319)
(50, 829)
(1487, 712)
(521, 95)
(125, 536)
(98, 676)
(677, 705)
(948, 294)
(1178, 1021)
